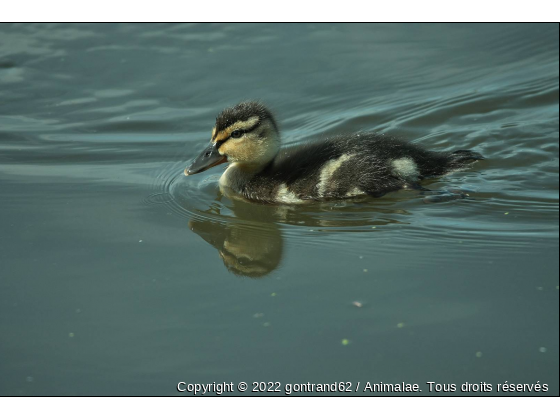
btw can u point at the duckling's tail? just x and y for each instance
(465, 156)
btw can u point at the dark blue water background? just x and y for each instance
(120, 276)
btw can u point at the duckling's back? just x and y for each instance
(349, 166)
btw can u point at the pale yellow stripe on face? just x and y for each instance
(239, 125)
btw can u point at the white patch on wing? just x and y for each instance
(354, 192)
(405, 168)
(286, 196)
(327, 172)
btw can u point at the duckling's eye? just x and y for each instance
(236, 134)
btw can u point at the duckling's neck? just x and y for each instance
(264, 148)
(238, 174)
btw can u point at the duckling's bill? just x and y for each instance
(209, 158)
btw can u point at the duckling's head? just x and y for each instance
(246, 134)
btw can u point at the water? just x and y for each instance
(120, 276)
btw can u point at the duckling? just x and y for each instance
(247, 137)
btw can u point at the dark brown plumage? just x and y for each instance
(339, 167)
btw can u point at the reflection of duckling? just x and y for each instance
(247, 136)
(246, 249)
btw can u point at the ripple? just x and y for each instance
(159, 198)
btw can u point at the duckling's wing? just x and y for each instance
(304, 160)
(337, 166)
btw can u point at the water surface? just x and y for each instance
(120, 276)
